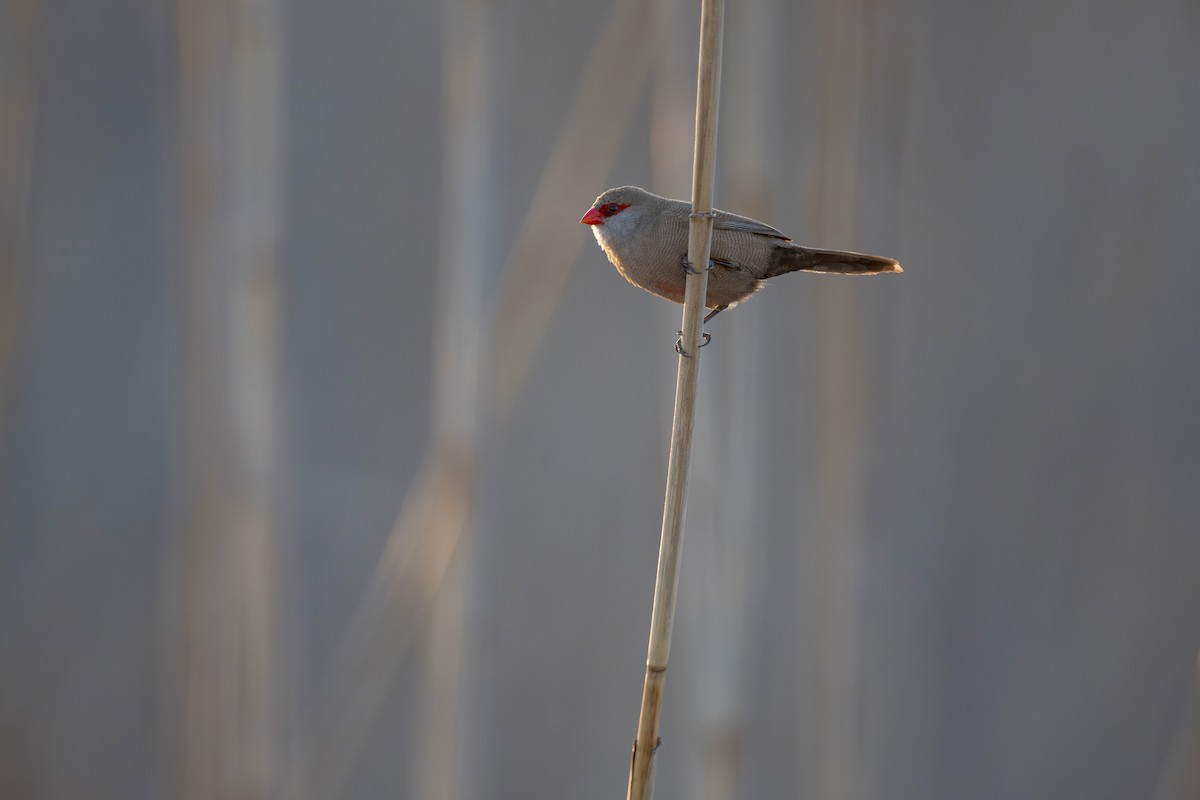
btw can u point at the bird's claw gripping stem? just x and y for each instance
(688, 268)
(707, 337)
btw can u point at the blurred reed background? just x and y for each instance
(332, 449)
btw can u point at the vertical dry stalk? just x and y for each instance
(717, 618)
(831, 763)
(461, 320)
(229, 669)
(708, 84)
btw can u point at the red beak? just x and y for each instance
(592, 217)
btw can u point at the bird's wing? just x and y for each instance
(732, 222)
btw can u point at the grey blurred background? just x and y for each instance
(332, 449)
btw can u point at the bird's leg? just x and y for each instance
(679, 343)
(707, 336)
(688, 268)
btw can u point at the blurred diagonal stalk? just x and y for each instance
(408, 587)
(230, 78)
(536, 270)
(1179, 778)
(397, 602)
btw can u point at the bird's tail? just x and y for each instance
(793, 258)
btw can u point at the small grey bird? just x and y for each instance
(645, 237)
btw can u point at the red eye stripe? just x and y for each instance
(609, 209)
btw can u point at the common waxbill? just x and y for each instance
(646, 236)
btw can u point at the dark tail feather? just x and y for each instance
(793, 258)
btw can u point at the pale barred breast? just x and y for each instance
(657, 267)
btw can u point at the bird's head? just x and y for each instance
(610, 204)
(616, 213)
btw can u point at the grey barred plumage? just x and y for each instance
(645, 237)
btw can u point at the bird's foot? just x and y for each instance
(689, 269)
(707, 337)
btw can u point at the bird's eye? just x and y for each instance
(613, 208)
